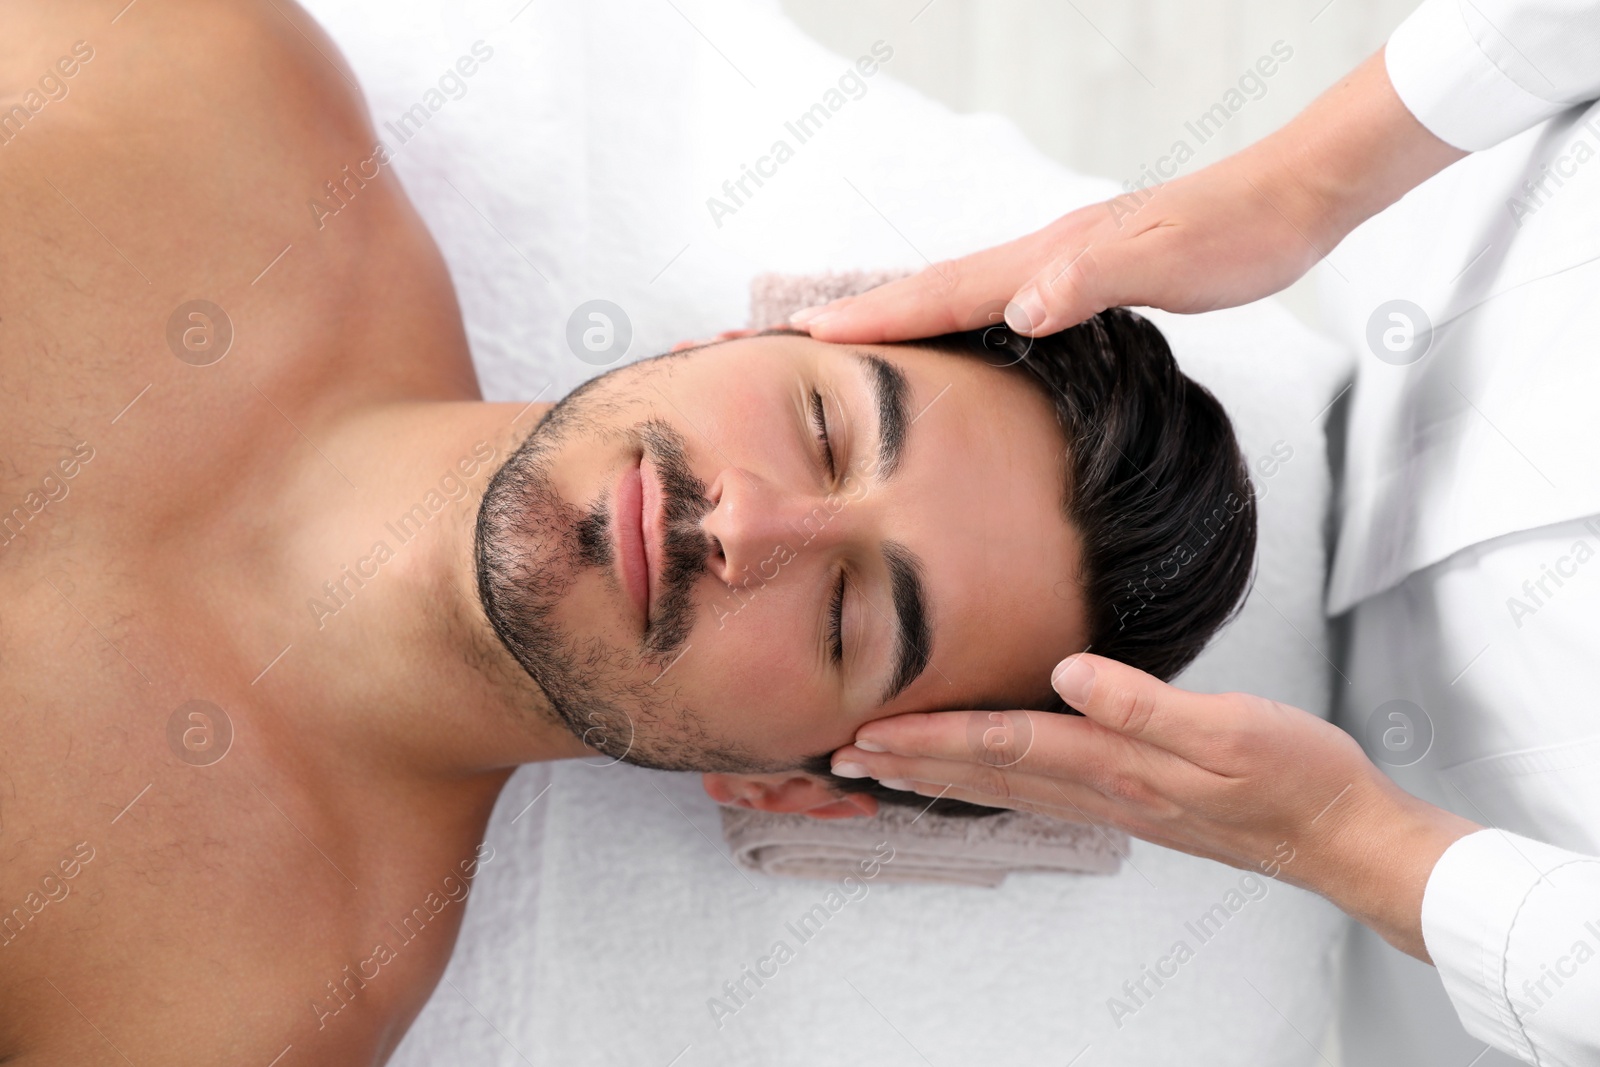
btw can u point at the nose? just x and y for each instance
(757, 527)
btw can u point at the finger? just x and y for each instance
(1084, 280)
(984, 787)
(725, 335)
(1139, 778)
(935, 792)
(1036, 742)
(959, 294)
(1134, 704)
(1104, 815)
(1088, 810)
(998, 738)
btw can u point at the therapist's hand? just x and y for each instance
(1239, 779)
(1225, 235)
(1230, 233)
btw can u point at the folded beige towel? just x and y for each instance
(774, 297)
(927, 847)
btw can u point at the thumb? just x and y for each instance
(1076, 285)
(1135, 704)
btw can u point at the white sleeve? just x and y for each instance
(1513, 926)
(1474, 72)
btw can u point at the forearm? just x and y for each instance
(1354, 151)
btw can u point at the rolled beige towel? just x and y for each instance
(926, 847)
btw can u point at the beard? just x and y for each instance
(530, 548)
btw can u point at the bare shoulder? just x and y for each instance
(164, 155)
(174, 42)
(175, 37)
(216, 100)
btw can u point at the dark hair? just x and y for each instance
(1156, 488)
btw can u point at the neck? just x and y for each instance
(399, 657)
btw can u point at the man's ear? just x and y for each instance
(790, 791)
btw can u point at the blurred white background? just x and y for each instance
(1109, 86)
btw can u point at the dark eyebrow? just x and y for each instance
(911, 615)
(890, 388)
(915, 635)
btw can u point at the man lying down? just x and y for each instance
(286, 602)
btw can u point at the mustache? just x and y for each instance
(685, 545)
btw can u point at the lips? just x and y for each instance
(652, 510)
(637, 531)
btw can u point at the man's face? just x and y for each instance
(731, 558)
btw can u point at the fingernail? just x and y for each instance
(902, 784)
(1073, 679)
(1026, 312)
(866, 744)
(851, 769)
(805, 315)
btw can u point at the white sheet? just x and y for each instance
(577, 166)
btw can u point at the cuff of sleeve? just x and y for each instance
(1444, 77)
(1469, 906)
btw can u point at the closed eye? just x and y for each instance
(836, 623)
(819, 424)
